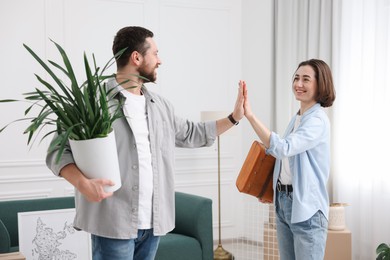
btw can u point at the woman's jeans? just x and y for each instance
(144, 247)
(299, 241)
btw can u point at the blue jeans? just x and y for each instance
(144, 247)
(304, 240)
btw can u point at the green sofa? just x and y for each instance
(192, 238)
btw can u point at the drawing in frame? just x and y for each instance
(49, 234)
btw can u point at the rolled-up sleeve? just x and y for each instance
(53, 165)
(190, 134)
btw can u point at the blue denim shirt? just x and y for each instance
(308, 150)
(117, 216)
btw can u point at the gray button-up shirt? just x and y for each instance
(117, 216)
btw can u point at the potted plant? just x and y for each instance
(383, 252)
(76, 112)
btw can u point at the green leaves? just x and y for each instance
(383, 252)
(78, 112)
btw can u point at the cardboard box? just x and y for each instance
(12, 256)
(338, 245)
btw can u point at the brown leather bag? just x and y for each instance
(256, 174)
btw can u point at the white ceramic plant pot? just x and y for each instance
(336, 217)
(98, 159)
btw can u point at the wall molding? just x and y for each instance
(69, 191)
(125, 1)
(204, 170)
(203, 155)
(7, 179)
(22, 163)
(203, 183)
(206, 5)
(29, 194)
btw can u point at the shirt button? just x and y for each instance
(134, 210)
(134, 146)
(135, 187)
(134, 167)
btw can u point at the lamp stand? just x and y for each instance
(220, 252)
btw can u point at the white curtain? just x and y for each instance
(302, 31)
(353, 37)
(361, 119)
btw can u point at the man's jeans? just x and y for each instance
(144, 247)
(301, 241)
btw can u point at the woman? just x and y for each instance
(302, 163)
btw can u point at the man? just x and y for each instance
(127, 224)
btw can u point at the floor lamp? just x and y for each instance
(219, 252)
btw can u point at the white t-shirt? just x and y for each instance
(135, 111)
(285, 176)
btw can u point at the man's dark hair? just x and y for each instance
(133, 38)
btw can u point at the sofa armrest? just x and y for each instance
(5, 241)
(194, 218)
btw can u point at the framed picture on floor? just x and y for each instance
(50, 234)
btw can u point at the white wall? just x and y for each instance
(206, 46)
(258, 62)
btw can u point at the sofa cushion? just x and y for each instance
(178, 247)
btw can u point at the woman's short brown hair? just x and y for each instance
(326, 93)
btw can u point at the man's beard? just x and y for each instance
(149, 75)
